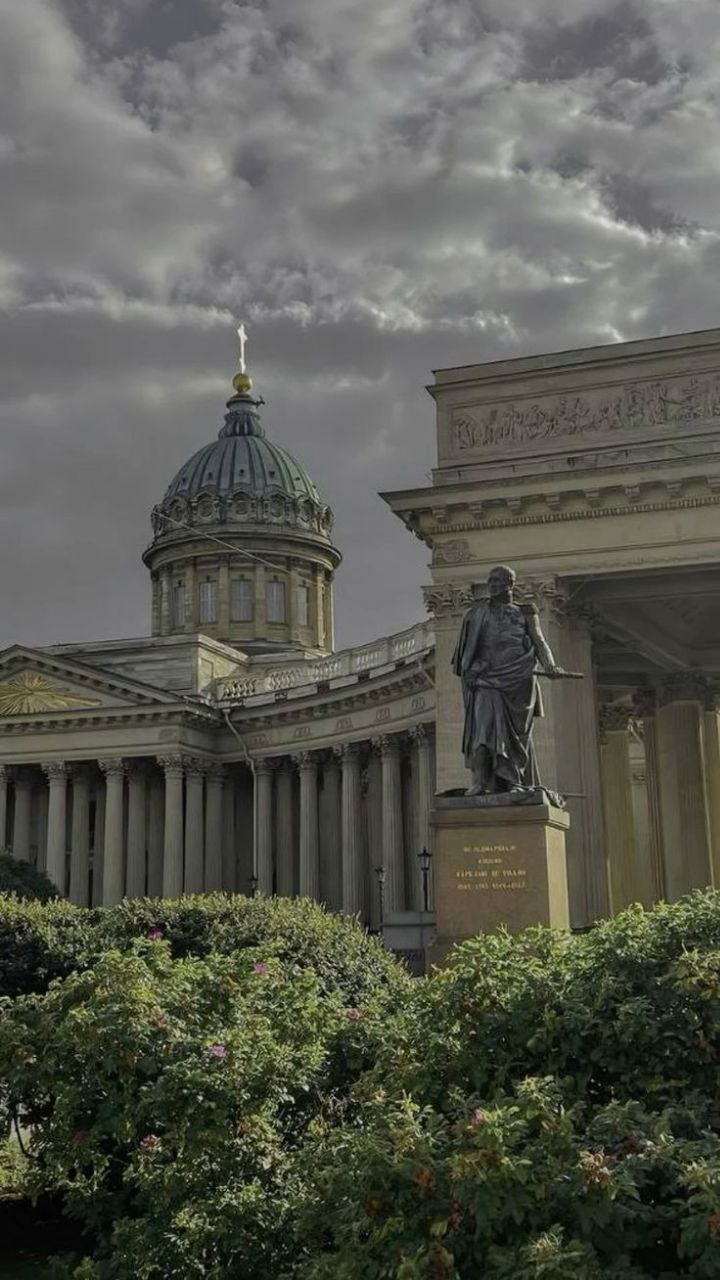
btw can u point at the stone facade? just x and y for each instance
(187, 761)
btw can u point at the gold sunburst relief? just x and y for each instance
(29, 692)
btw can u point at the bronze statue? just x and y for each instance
(499, 651)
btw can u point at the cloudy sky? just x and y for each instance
(378, 188)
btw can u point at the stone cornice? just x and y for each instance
(127, 717)
(458, 553)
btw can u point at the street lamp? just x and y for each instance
(380, 873)
(253, 885)
(425, 858)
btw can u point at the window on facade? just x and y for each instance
(208, 601)
(275, 601)
(241, 599)
(178, 604)
(303, 604)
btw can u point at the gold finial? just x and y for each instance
(242, 380)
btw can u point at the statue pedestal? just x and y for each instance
(497, 865)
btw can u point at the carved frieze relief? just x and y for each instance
(629, 408)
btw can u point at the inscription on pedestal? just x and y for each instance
(499, 868)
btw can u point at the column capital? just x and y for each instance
(615, 717)
(263, 768)
(386, 744)
(215, 771)
(172, 766)
(347, 751)
(420, 734)
(445, 598)
(112, 766)
(194, 766)
(4, 773)
(547, 594)
(690, 686)
(306, 760)
(55, 770)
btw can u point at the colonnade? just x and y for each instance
(315, 823)
(660, 772)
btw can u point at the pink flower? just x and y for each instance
(149, 1141)
(79, 1135)
(478, 1117)
(154, 934)
(218, 1050)
(260, 967)
(352, 1015)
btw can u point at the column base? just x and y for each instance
(497, 866)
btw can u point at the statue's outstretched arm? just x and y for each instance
(542, 648)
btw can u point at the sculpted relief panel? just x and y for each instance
(632, 407)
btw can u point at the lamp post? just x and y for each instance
(380, 874)
(253, 885)
(425, 859)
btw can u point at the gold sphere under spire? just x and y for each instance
(242, 382)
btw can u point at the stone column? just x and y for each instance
(329, 612)
(113, 853)
(80, 838)
(57, 775)
(373, 811)
(135, 876)
(352, 869)
(318, 602)
(285, 830)
(392, 832)
(645, 707)
(309, 852)
(260, 603)
(156, 818)
(21, 825)
(711, 733)
(191, 605)
(424, 790)
(229, 855)
(194, 826)
(214, 827)
(223, 614)
(263, 826)
(683, 788)
(173, 843)
(98, 844)
(621, 854)
(166, 619)
(3, 807)
(330, 836)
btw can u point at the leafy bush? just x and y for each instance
(38, 944)
(547, 1106)
(166, 1098)
(544, 1109)
(24, 880)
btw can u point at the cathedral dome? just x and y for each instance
(242, 547)
(242, 476)
(242, 460)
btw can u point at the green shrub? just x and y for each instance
(165, 1099)
(24, 880)
(38, 944)
(547, 1106)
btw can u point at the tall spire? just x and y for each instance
(242, 381)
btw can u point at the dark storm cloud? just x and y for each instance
(378, 189)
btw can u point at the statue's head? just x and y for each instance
(501, 580)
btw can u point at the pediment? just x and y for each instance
(33, 683)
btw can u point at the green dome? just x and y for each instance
(242, 460)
